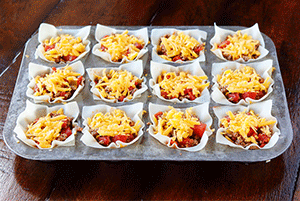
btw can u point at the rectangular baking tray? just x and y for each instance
(146, 148)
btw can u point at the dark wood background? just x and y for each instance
(22, 179)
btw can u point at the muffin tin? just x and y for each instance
(146, 148)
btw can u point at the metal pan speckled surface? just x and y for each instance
(147, 148)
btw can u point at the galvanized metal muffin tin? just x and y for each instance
(147, 148)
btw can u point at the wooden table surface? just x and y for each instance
(22, 179)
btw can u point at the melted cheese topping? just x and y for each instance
(64, 45)
(241, 45)
(175, 84)
(179, 44)
(122, 45)
(176, 124)
(46, 129)
(113, 123)
(241, 123)
(243, 80)
(59, 80)
(115, 84)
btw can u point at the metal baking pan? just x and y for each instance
(147, 148)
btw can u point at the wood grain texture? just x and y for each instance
(22, 179)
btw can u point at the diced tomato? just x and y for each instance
(103, 48)
(123, 138)
(157, 115)
(251, 132)
(168, 76)
(104, 140)
(54, 69)
(224, 44)
(176, 58)
(233, 97)
(251, 95)
(189, 91)
(69, 58)
(79, 80)
(198, 49)
(139, 46)
(130, 88)
(49, 47)
(199, 129)
(65, 124)
(164, 94)
(264, 139)
(67, 131)
(121, 98)
(105, 36)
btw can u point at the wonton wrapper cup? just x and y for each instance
(156, 34)
(264, 69)
(102, 31)
(200, 111)
(46, 31)
(263, 109)
(136, 68)
(36, 69)
(193, 68)
(133, 111)
(33, 111)
(221, 35)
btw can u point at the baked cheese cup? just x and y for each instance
(120, 46)
(108, 127)
(179, 46)
(121, 84)
(181, 128)
(242, 46)
(55, 85)
(251, 127)
(62, 45)
(241, 84)
(46, 127)
(182, 84)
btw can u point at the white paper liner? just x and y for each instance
(264, 69)
(193, 68)
(136, 68)
(102, 31)
(156, 34)
(34, 111)
(46, 31)
(133, 111)
(221, 34)
(200, 110)
(263, 109)
(36, 69)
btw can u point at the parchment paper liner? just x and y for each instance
(102, 31)
(133, 111)
(46, 31)
(221, 34)
(264, 69)
(263, 109)
(193, 68)
(33, 111)
(156, 34)
(200, 110)
(136, 68)
(36, 69)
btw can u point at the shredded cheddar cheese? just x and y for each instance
(57, 82)
(176, 124)
(243, 80)
(62, 46)
(46, 129)
(116, 84)
(240, 46)
(178, 44)
(241, 122)
(174, 84)
(122, 45)
(113, 123)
